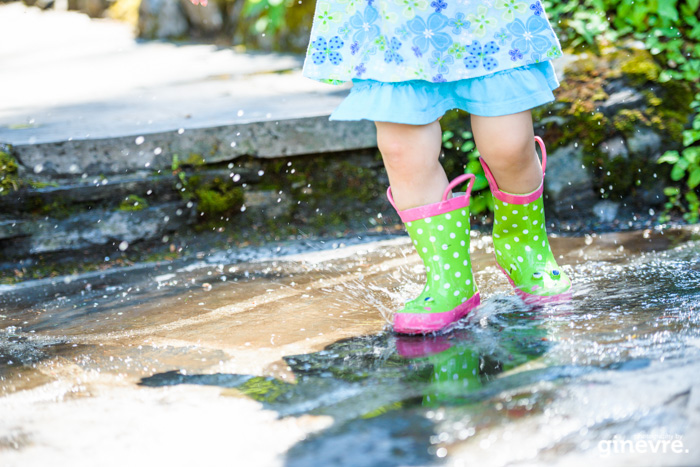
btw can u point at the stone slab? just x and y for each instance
(78, 93)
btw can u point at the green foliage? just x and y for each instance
(9, 178)
(670, 31)
(461, 156)
(686, 169)
(269, 15)
(133, 203)
(219, 198)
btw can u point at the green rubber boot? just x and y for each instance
(440, 233)
(521, 245)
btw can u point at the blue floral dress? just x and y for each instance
(432, 40)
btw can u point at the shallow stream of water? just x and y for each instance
(301, 345)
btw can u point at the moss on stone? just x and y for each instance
(576, 116)
(132, 203)
(9, 174)
(638, 66)
(218, 198)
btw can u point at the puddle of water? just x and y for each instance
(620, 361)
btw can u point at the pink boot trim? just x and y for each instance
(509, 197)
(423, 323)
(446, 205)
(420, 348)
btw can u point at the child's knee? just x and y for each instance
(510, 152)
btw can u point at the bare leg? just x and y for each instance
(507, 145)
(411, 154)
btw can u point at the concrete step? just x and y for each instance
(93, 116)
(83, 96)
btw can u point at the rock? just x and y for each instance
(644, 143)
(98, 228)
(625, 98)
(614, 147)
(606, 211)
(207, 19)
(160, 19)
(568, 183)
(271, 204)
(261, 139)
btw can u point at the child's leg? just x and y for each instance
(439, 230)
(507, 145)
(411, 154)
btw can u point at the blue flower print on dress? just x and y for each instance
(458, 23)
(501, 36)
(439, 5)
(427, 32)
(327, 50)
(515, 55)
(537, 8)
(530, 35)
(534, 58)
(345, 30)
(397, 40)
(392, 52)
(479, 55)
(364, 23)
(402, 32)
(441, 63)
(439, 79)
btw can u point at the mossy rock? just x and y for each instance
(9, 174)
(133, 203)
(578, 117)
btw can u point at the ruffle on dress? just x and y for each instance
(419, 102)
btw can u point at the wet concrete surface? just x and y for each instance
(291, 361)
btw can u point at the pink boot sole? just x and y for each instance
(424, 323)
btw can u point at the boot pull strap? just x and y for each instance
(452, 184)
(544, 153)
(461, 179)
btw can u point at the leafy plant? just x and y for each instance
(462, 146)
(670, 31)
(686, 167)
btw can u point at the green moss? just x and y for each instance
(639, 66)
(9, 178)
(218, 198)
(133, 203)
(38, 184)
(194, 160)
(626, 120)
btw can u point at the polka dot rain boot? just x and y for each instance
(521, 245)
(440, 233)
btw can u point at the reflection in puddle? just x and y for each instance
(509, 384)
(409, 399)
